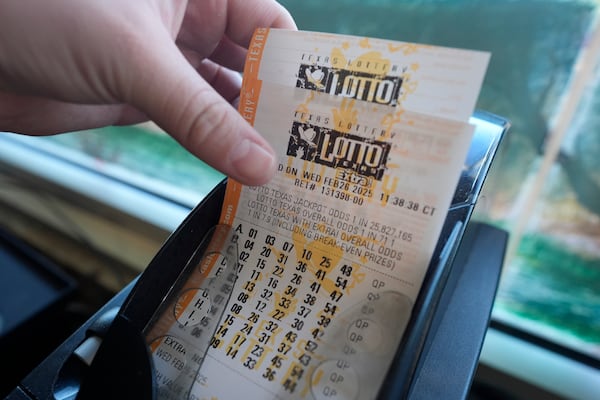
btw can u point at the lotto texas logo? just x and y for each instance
(338, 150)
(356, 85)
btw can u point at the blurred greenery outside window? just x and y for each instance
(545, 185)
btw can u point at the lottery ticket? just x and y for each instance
(371, 137)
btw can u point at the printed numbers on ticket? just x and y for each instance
(371, 137)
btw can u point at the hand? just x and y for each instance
(76, 64)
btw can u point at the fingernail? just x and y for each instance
(254, 164)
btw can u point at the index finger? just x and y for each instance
(222, 30)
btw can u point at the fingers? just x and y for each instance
(146, 70)
(186, 106)
(225, 81)
(221, 77)
(224, 28)
(255, 13)
(229, 54)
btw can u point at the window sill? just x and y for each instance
(49, 192)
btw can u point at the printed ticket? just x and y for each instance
(371, 137)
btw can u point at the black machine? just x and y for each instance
(108, 357)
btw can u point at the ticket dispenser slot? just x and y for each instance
(116, 361)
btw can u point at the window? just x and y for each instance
(148, 152)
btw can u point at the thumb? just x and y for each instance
(182, 103)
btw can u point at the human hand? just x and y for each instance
(76, 64)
